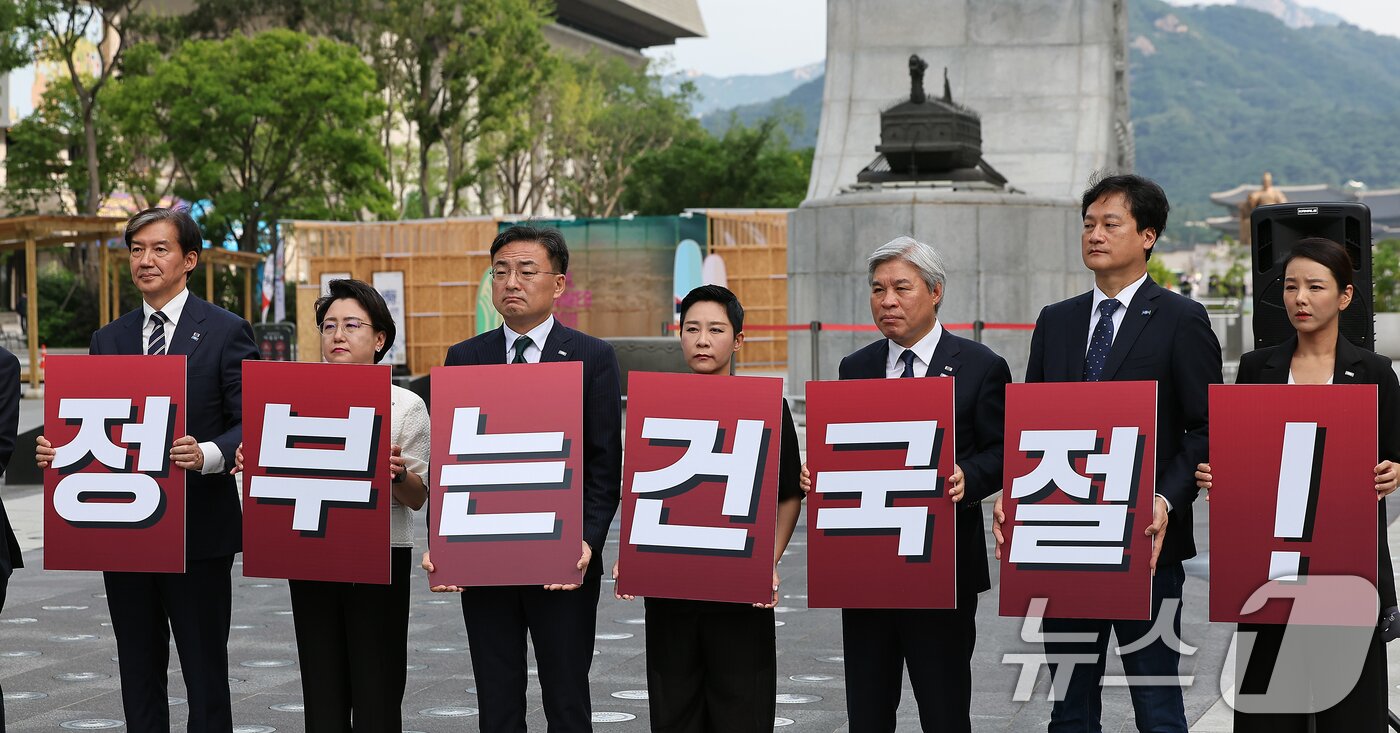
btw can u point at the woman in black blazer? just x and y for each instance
(1317, 288)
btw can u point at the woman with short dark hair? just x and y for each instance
(712, 666)
(352, 638)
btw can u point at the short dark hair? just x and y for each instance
(548, 237)
(361, 292)
(716, 294)
(1146, 201)
(186, 230)
(1327, 253)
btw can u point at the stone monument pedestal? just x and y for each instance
(1008, 255)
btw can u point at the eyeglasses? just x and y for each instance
(501, 274)
(349, 327)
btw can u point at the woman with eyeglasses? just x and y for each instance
(352, 638)
(1317, 287)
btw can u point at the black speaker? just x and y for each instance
(1276, 228)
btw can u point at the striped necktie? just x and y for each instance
(156, 345)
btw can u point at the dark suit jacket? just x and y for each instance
(9, 429)
(602, 414)
(1165, 338)
(979, 395)
(213, 411)
(1354, 366)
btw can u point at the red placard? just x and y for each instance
(112, 498)
(316, 483)
(507, 499)
(700, 489)
(1077, 494)
(880, 527)
(1293, 493)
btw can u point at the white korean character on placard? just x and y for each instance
(1092, 531)
(741, 470)
(293, 446)
(144, 504)
(877, 489)
(459, 518)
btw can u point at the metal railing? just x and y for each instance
(815, 328)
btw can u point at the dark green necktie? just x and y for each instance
(521, 344)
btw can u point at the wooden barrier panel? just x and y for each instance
(443, 261)
(754, 247)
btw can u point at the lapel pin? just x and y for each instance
(947, 368)
(563, 353)
(1147, 313)
(194, 336)
(1349, 374)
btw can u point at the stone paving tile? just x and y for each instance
(61, 616)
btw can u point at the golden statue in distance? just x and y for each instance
(1268, 194)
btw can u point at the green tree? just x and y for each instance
(266, 127)
(454, 69)
(60, 31)
(42, 172)
(1161, 274)
(1385, 273)
(748, 167)
(610, 116)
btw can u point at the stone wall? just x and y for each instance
(1007, 256)
(1048, 78)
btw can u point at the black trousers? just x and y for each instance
(711, 667)
(1385, 571)
(195, 606)
(1363, 710)
(4, 586)
(936, 645)
(352, 645)
(561, 625)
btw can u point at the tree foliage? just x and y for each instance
(1385, 274)
(271, 126)
(747, 167)
(60, 31)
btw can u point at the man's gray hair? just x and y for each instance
(922, 256)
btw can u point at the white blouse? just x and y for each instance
(408, 428)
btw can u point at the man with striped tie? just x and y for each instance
(146, 608)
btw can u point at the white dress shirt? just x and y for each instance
(923, 354)
(1124, 298)
(213, 457)
(537, 335)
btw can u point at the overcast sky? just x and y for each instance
(767, 36)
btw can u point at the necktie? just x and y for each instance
(908, 358)
(1101, 342)
(521, 344)
(157, 343)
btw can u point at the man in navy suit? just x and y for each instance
(528, 267)
(1130, 329)
(906, 288)
(9, 430)
(195, 605)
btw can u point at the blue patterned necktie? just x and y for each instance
(908, 358)
(156, 345)
(1101, 342)
(521, 344)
